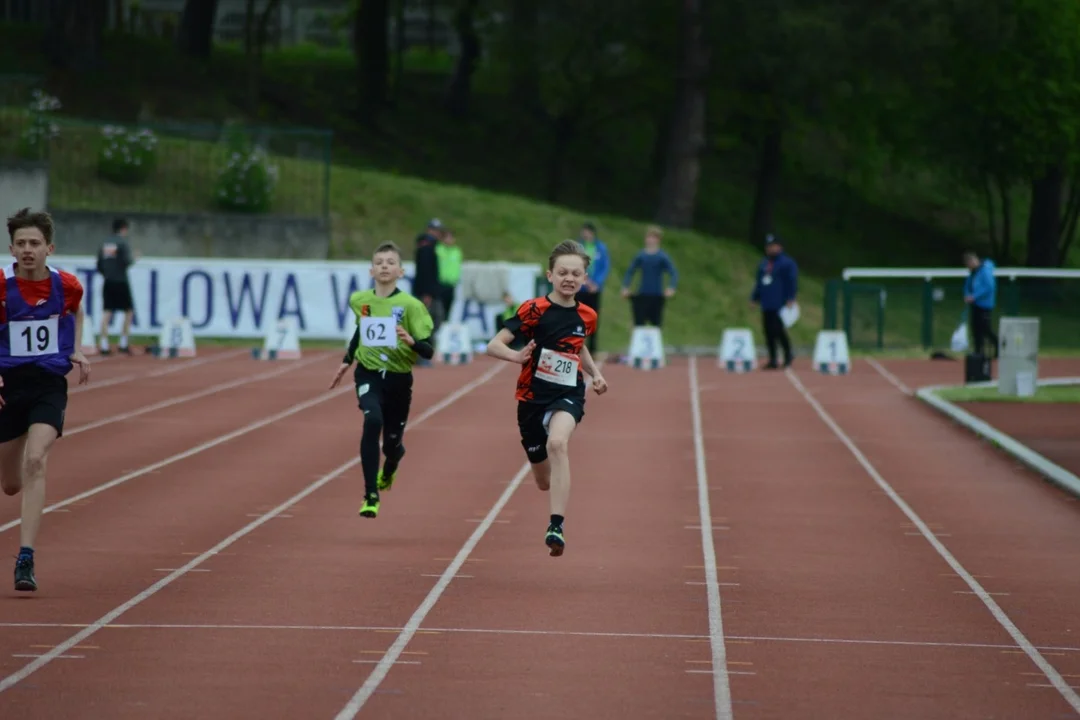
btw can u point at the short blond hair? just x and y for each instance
(656, 231)
(568, 247)
(388, 246)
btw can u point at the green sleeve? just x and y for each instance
(418, 322)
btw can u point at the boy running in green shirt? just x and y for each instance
(393, 329)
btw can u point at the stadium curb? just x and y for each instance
(1040, 464)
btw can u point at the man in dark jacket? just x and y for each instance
(113, 260)
(776, 286)
(426, 283)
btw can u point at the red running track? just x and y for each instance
(228, 575)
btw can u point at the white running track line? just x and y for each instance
(221, 387)
(1036, 657)
(897, 382)
(155, 373)
(146, 594)
(721, 688)
(202, 447)
(402, 640)
(554, 633)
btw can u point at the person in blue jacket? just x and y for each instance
(653, 263)
(599, 267)
(776, 286)
(980, 292)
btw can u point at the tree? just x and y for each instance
(686, 130)
(195, 36)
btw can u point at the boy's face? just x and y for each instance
(386, 267)
(568, 274)
(652, 241)
(29, 248)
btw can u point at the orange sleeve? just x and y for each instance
(73, 291)
(588, 316)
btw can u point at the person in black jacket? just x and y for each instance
(426, 283)
(113, 260)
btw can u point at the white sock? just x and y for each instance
(123, 341)
(104, 344)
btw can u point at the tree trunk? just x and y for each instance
(370, 35)
(565, 129)
(1044, 219)
(195, 37)
(524, 58)
(682, 170)
(74, 33)
(460, 91)
(768, 185)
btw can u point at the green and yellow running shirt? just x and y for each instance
(377, 346)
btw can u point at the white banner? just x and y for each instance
(242, 298)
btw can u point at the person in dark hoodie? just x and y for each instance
(776, 287)
(425, 284)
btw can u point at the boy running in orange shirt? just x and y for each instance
(551, 388)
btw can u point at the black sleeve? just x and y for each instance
(424, 348)
(350, 354)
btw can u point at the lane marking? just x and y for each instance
(896, 382)
(155, 373)
(149, 592)
(695, 638)
(356, 703)
(721, 687)
(221, 387)
(1021, 640)
(202, 447)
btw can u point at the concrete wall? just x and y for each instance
(23, 185)
(80, 232)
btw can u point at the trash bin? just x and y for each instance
(1018, 358)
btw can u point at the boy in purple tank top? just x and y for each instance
(41, 322)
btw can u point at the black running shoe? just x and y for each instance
(24, 574)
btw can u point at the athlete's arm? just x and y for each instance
(499, 347)
(423, 348)
(77, 357)
(589, 365)
(350, 353)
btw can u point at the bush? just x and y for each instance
(41, 130)
(127, 156)
(249, 178)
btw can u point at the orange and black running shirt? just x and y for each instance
(559, 333)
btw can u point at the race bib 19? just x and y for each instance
(30, 338)
(556, 367)
(378, 332)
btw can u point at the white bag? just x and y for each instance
(960, 338)
(789, 315)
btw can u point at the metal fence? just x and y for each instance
(882, 309)
(171, 167)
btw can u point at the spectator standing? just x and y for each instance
(776, 286)
(599, 267)
(653, 263)
(449, 257)
(113, 260)
(425, 284)
(980, 294)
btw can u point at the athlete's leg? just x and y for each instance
(39, 441)
(534, 439)
(560, 427)
(369, 391)
(396, 406)
(11, 461)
